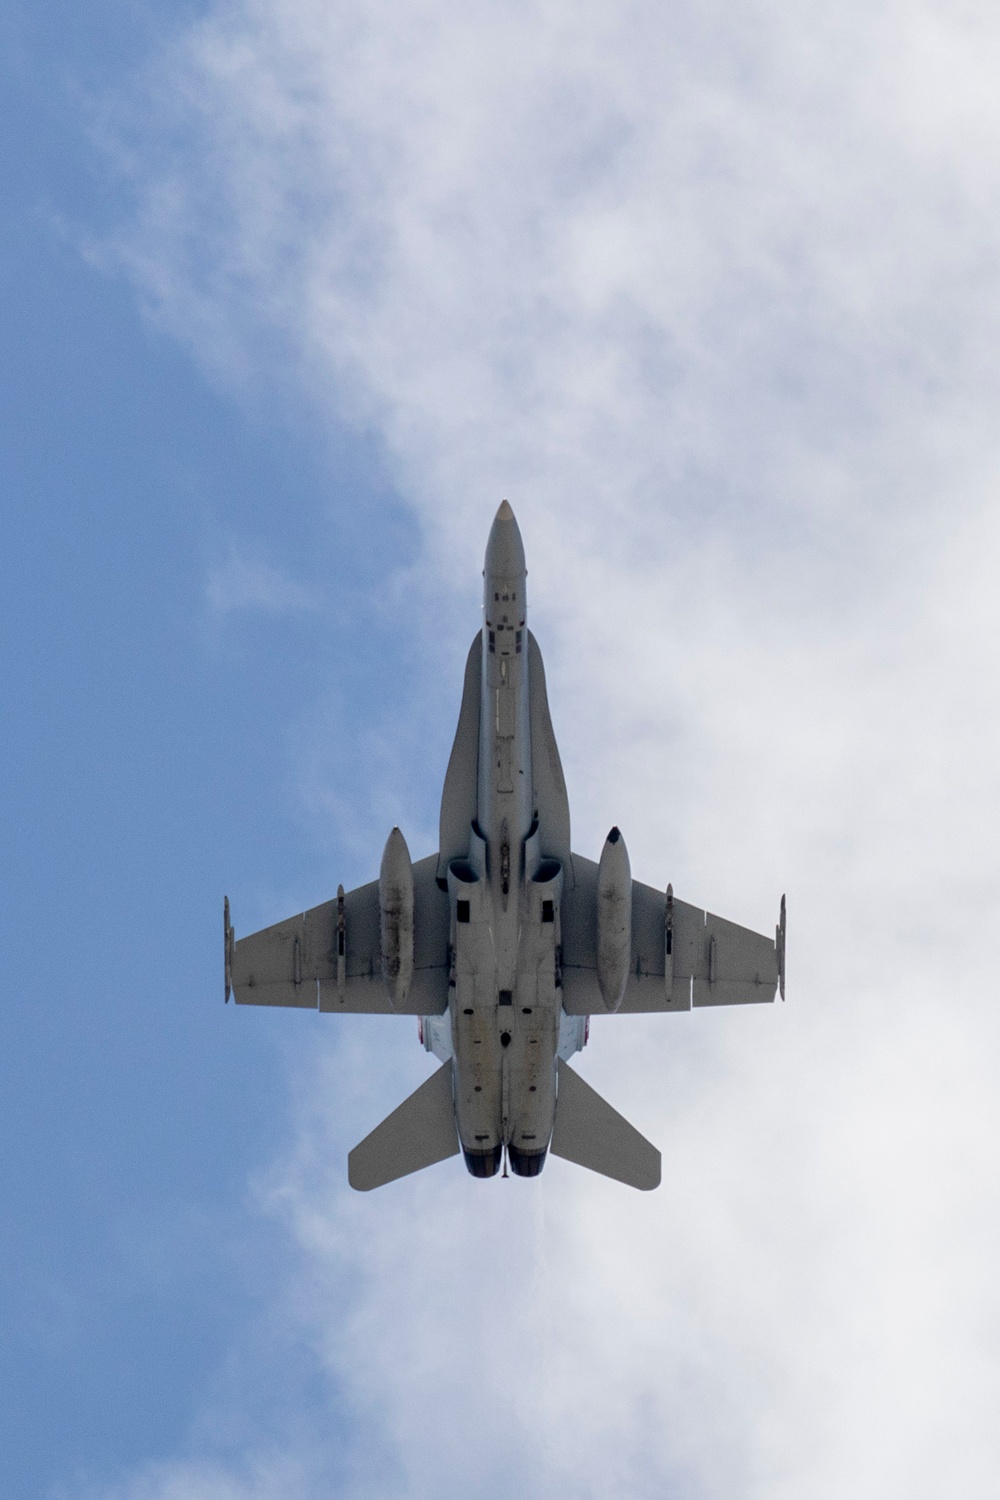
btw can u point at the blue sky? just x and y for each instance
(292, 295)
(145, 761)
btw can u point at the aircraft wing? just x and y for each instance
(711, 961)
(299, 961)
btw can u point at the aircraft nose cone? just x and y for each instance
(505, 550)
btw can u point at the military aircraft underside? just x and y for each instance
(504, 943)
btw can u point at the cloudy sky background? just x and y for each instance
(295, 292)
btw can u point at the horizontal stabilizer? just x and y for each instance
(591, 1133)
(417, 1134)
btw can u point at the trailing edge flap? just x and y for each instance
(591, 1133)
(417, 1134)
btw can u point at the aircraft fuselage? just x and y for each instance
(504, 896)
(505, 942)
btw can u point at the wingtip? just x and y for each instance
(228, 946)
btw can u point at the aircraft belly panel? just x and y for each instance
(505, 765)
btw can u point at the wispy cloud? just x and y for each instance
(714, 299)
(262, 1477)
(246, 583)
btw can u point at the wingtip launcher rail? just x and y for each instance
(229, 939)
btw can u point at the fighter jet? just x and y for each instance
(504, 943)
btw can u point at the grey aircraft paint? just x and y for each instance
(504, 942)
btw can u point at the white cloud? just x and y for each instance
(714, 300)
